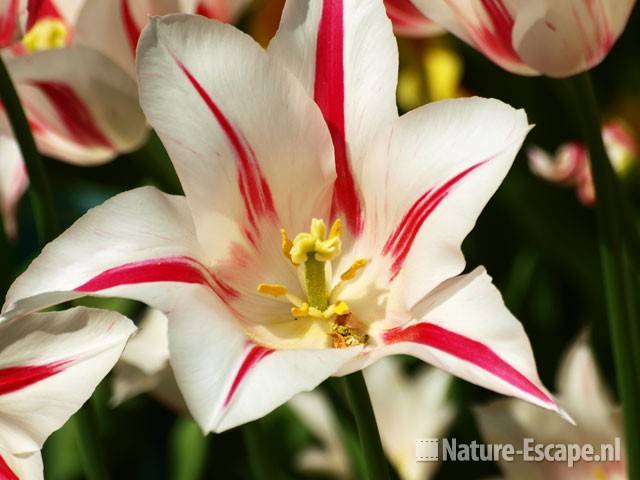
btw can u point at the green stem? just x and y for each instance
(358, 396)
(86, 424)
(620, 298)
(39, 190)
(258, 457)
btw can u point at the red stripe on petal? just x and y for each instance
(131, 28)
(74, 114)
(38, 9)
(498, 42)
(9, 23)
(256, 353)
(13, 379)
(5, 472)
(253, 186)
(401, 239)
(171, 269)
(329, 95)
(466, 349)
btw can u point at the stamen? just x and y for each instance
(286, 243)
(353, 270)
(300, 312)
(46, 34)
(273, 289)
(336, 229)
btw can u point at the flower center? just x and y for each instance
(311, 253)
(46, 34)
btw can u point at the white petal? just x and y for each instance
(253, 149)
(13, 183)
(579, 379)
(82, 108)
(131, 246)
(21, 467)
(144, 365)
(560, 39)
(316, 413)
(428, 179)
(345, 55)
(50, 363)
(465, 329)
(408, 408)
(225, 377)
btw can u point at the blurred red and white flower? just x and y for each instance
(570, 165)
(13, 183)
(50, 364)
(406, 407)
(74, 69)
(113, 27)
(408, 21)
(267, 144)
(81, 107)
(546, 37)
(583, 394)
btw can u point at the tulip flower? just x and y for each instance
(144, 365)
(557, 39)
(13, 183)
(408, 21)
(406, 408)
(583, 393)
(319, 232)
(50, 364)
(570, 165)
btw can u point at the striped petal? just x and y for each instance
(9, 25)
(408, 21)
(560, 39)
(223, 10)
(134, 245)
(487, 25)
(345, 56)
(427, 181)
(21, 467)
(13, 183)
(64, 10)
(254, 148)
(82, 108)
(50, 363)
(464, 328)
(114, 27)
(226, 378)
(557, 39)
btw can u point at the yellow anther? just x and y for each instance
(300, 312)
(353, 270)
(336, 229)
(46, 34)
(286, 243)
(314, 241)
(272, 289)
(341, 308)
